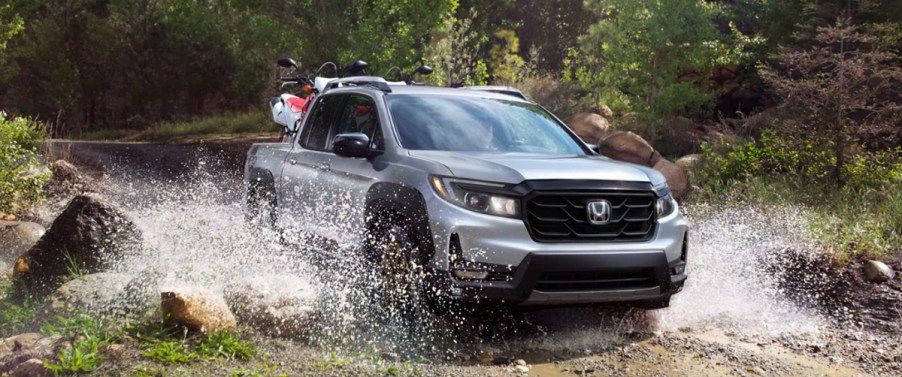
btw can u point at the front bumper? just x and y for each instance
(503, 244)
(522, 287)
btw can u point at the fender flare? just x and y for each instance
(385, 198)
(259, 177)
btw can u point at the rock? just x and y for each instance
(16, 237)
(629, 147)
(590, 127)
(522, 369)
(86, 236)
(877, 272)
(606, 112)
(688, 161)
(675, 176)
(520, 362)
(105, 294)
(197, 309)
(31, 368)
(66, 180)
(19, 342)
(280, 305)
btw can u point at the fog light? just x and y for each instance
(470, 275)
(679, 269)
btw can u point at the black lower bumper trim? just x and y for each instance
(642, 275)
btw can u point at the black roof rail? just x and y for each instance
(376, 82)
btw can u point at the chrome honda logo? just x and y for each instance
(599, 212)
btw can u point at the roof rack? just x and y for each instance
(376, 82)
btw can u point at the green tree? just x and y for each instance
(641, 52)
(842, 94)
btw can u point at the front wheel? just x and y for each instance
(400, 276)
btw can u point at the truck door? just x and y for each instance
(301, 188)
(351, 178)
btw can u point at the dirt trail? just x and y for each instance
(732, 319)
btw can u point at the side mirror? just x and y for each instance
(357, 67)
(286, 62)
(353, 145)
(423, 70)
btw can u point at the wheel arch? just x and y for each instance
(389, 201)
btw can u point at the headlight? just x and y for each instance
(467, 194)
(664, 206)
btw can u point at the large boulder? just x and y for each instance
(85, 238)
(676, 178)
(629, 147)
(606, 112)
(197, 309)
(280, 305)
(16, 237)
(589, 126)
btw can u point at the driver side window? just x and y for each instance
(360, 115)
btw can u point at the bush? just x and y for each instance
(862, 218)
(21, 176)
(773, 155)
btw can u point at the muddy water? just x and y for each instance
(187, 201)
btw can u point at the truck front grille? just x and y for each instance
(562, 217)
(595, 280)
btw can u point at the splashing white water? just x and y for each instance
(731, 282)
(195, 233)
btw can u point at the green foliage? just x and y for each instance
(10, 25)
(839, 94)
(639, 53)
(507, 66)
(173, 352)
(82, 357)
(86, 335)
(16, 316)
(255, 121)
(454, 52)
(325, 364)
(21, 178)
(219, 345)
(225, 345)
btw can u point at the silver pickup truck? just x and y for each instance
(471, 195)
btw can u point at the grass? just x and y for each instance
(852, 223)
(15, 317)
(236, 123)
(222, 345)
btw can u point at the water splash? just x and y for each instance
(195, 233)
(734, 250)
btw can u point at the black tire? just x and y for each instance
(261, 205)
(396, 261)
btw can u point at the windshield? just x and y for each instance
(464, 123)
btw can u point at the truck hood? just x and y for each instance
(518, 167)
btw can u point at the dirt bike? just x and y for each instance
(288, 109)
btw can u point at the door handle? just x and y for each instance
(324, 167)
(293, 161)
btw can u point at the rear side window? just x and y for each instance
(316, 133)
